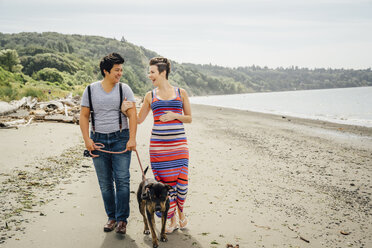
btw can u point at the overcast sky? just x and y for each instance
(273, 33)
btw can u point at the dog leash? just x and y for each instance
(99, 147)
(139, 161)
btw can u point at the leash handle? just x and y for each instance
(99, 147)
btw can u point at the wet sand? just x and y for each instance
(256, 180)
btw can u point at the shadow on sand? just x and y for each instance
(114, 240)
(176, 239)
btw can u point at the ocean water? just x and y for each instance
(352, 106)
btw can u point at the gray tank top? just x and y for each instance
(106, 106)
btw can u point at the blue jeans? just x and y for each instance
(113, 173)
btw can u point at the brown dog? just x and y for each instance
(152, 196)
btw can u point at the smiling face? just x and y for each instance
(115, 73)
(155, 76)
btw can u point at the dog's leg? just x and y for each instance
(163, 235)
(164, 216)
(151, 220)
(142, 211)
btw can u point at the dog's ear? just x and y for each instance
(168, 187)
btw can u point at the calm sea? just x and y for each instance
(346, 106)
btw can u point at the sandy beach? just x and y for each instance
(256, 180)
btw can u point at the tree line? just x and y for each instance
(32, 63)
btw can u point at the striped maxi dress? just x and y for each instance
(169, 154)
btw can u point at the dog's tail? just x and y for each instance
(144, 173)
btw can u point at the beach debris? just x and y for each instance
(232, 246)
(31, 103)
(39, 114)
(205, 233)
(13, 106)
(264, 227)
(298, 235)
(345, 232)
(23, 112)
(30, 211)
(6, 108)
(59, 118)
(51, 105)
(302, 238)
(11, 124)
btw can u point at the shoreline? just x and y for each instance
(255, 179)
(326, 124)
(308, 121)
(345, 106)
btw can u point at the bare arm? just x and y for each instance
(125, 105)
(84, 127)
(186, 117)
(132, 115)
(145, 108)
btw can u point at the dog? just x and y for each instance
(152, 196)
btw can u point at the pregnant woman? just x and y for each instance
(169, 154)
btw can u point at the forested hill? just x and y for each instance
(32, 63)
(258, 79)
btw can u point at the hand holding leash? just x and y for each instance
(99, 146)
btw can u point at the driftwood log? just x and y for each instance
(28, 109)
(23, 112)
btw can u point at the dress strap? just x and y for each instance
(153, 94)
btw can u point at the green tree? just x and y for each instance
(9, 60)
(77, 58)
(48, 60)
(81, 77)
(49, 74)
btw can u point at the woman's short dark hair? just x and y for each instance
(163, 64)
(109, 61)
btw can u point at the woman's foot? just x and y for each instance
(172, 225)
(183, 223)
(171, 228)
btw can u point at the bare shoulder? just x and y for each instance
(183, 92)
(148, 96)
